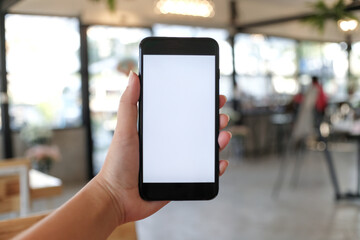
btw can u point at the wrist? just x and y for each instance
(103, 189)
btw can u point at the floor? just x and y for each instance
(246, 208)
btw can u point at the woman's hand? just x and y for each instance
(112, 197)
(119, 175)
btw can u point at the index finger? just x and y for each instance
(222, 100)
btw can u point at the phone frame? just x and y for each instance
(179, 46)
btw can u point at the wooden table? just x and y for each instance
(19, 185)
(12, 227)
(43, 185)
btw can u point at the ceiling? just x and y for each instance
(141, 13)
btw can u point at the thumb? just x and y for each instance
(127, 112)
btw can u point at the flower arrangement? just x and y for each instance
(43, 156)
(41, 152)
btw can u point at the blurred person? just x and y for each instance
(112, 197)
(321, 102)
(311, 111)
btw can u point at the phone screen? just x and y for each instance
(178, 131)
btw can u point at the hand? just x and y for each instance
(119, 175)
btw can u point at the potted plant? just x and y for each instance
(322, 12)
(41, 151)
(111, 4)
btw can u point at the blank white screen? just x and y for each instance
(178, 118)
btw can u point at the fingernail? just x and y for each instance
(230, 134)
(228, 117)
(225, 98)
(131, 78)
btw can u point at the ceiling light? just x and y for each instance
(348, 25)
(198, 8)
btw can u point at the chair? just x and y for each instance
(239, 133)
(303, 129)
(10, 228)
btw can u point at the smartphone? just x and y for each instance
(179, 118)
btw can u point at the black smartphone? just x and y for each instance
(179, 118)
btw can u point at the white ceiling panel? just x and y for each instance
(141, 13)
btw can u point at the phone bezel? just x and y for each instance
(179, 46)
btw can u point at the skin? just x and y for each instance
(112, 197)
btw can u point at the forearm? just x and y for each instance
(90, 214)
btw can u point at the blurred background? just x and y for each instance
(289, 69)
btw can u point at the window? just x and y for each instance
(220, 35)
(43, 71)
(113, 52)
(265, 68)
(355, 60)
(328, 61)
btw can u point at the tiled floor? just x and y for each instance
(246, 209)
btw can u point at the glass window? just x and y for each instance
(250, 54)
(329, 62)
(354, 84)
(113, 53)
(355, 59)
(220, 35)
(265, 67)
(310, 62)
(43, 70)
(281, 56)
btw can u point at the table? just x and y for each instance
(43, 185)
(20, 185)
(11, 227)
